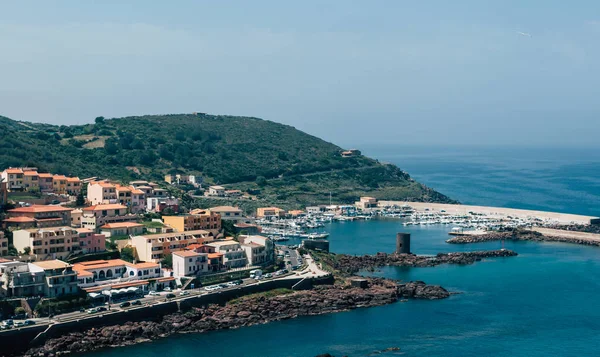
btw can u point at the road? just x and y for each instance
(310, 270)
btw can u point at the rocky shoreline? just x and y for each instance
(518, 235)
(245, 311)
(349, 264)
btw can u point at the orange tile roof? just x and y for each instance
(59, 177)
(19, 220)
(14, 171)
(193, 246)
(105, 184)
(121, 225)
(84, 230)
(145, 265)
(186, 253)
(104, 207)
(51, 264)
(99, 264)
(45, 175)
(137, 192)
(39, 208)
(73, 179)
(167, 278)
(93, 289)
(122, 188)
(215, 255)
(30, 173)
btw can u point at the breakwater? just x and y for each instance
(350, 264)
(244, 311)
(527, 235)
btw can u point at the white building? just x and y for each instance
(259, 250)
(189, 263)
(217, 191)
(233, 254)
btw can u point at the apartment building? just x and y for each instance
(197, 219)
(59, 277)
(259, 249)
(159, 204)
(228, 213)
(45, 182)
(234, 256)
(122, 229)
(366, 202)
(13, 178)
(90, 241)
(55, 242)
(154, 247)
(31, 181)
(16, 280)
(98, 215)
(101, 192)
(216, 191)
(73, 186)
(39, 216)
(189, 263)
(270, 212)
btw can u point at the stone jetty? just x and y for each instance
(350, 264)
(548, 235)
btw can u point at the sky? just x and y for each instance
(352, 72)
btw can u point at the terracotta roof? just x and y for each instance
(14, 171)
(217, 187)
(104, 207)
(84, 230)
(121, 225)
(39, 209)
(30, 173)
(73, 179)
(122, 188)
(98, 264)
(103, 184)
(225, 209)
(145, 187)
(137, 192)
(51, 264)
(145, 265)
(59, 177)
(93, 289)
(215, 255)
(48, 219)
(193, 246)
(168, 278)
(19, 219)
(186, 253)
(45, 175)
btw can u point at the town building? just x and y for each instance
(113, 271)
(228, 213)
(73, 186)
(3, 244)
(247, 229)
(197, 219)
(3, 193)
(270, 212)
(259, 250)
(45, 182)
(138, 200)
(160, 192)
(160, 204)
(31, 181)
(138, 183)
(51, 242)
(154, 247)
(189, 263)
(76, 215)
(13, 178)
(59, 277)
(90, 241)
(122, 229)
(183, 179)
(16, 280)
(101, 192)
(96, 216)
(296, 213)
(316, 209)
(351, 153)
(39, 216)
(124, 195)
(216, 191)
(233, 254)
(366, 203)
(233, 193)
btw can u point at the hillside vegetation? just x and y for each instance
(284, 163)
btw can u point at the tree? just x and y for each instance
(127, 254)
(27, 250)
(99, 120)
(261, 181)
(80, 199)
(167, 261)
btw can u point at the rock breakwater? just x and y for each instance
(349, 264)
(519, 235)
(245, 311)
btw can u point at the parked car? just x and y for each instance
(153, 293)
(170, 296)
(223, 286)
(136, 303)
(295, 267)
(168, 289)
(5, 327)
(19, 324)
(29, 322)
(184, 293)
(101, 308)
(125, 304)
(92, 310)
(82, 309)
(268, 275)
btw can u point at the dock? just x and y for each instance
(498, 212)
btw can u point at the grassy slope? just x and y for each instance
(299, 168)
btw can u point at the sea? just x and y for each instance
(544, 302)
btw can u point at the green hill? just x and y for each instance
(242, 152)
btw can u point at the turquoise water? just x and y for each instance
(541, 303)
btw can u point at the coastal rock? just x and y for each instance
(348, 264)
(523, 235)
(246, 311)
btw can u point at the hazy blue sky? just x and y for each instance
(353, 72)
